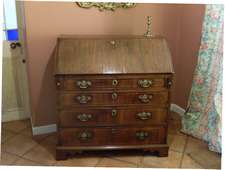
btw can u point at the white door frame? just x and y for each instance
(21, 22)
(15, 114)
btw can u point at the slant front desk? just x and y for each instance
(113, 93)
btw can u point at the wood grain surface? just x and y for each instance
(114, 116)
(105, 98)
(112, 136)
(101, 56)
(112, 90)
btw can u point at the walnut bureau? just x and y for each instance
(113, 92)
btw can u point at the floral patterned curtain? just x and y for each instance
(204, 114)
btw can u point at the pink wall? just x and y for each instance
(189, 43)
(47, 20)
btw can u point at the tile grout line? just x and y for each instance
(108, 157)
(28, 149)
(182, 157)
(15, 134)
(98, 162)
(17, 131)
(20, 157)
(196, 161)
(141, 161)
(25, 152)
(40, 164)
(32, 149)
(189, 154)
(174, 150)
(123, 161)
(9, 138)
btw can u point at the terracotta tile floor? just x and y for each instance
(20, 148)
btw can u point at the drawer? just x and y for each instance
(152, 82)
(112, 116)
(101, 98)
(112, 136)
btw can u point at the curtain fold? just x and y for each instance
(204, 114)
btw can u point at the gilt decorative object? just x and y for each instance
(105, 5)
(149, 22)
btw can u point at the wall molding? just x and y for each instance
(38, 130)
(177, 109)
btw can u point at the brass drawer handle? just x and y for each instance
(145, 83)
(114, 96)
(144, 115)
(84, 117)
(85, 135)
(114, 113)
(142, 135)
(114, 82)
(145, 98)
(84, 84)
(82, 99)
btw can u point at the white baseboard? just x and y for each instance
(14, 114)
(38, 130)
(177, 109)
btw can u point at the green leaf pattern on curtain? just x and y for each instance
(203, 116)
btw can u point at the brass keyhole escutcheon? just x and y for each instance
(114, 113)
(113, 43)
(58, 84)
(115, 82)
(114, 95)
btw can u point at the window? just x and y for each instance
(10, 29)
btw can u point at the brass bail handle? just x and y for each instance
(145, 83)
(144, 115)
(145, 98)
(142, 135)
(83, 84)
(85, 135)
(83, 99)
(84, 117)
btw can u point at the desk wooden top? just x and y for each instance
(112, 55)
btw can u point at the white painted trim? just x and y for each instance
(38, 130)
(14, 114)
(21, 22)
(177, 109)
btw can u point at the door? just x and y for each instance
(15, 96)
